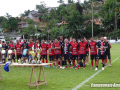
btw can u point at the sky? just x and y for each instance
(16, 7)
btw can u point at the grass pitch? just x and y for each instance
(58, 79)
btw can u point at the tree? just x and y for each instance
(11, 24)
(61, 1)
(41, 8)
(26, 12)
(8, 15)
(2, 19)
(70, 1)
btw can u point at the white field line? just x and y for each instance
(92, 76)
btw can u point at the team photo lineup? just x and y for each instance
(59, 52)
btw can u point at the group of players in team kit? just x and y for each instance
(63, 51)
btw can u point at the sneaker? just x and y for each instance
(53, 66)
(76, 68)
(102, 68)
(110, 65)
(96, 69)
(65, 66)
(60, 67)
(71, 67)
(46, 66)
(92, 67)
(49, 67)
(83, 67)
(43, 66)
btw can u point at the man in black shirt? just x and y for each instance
(24, 44)
(108, 50)
(4, 47)
(61, 42)
(66, 48)
(101, 46)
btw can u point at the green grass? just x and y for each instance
(58, 79)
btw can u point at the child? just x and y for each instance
(31, 54)
(25, 53)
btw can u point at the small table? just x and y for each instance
(36, 82)
(1, 72)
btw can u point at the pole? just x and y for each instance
(92, 18)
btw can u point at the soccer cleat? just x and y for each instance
(110, 65)
(96, 69)
(77, 68)
(49, 67)
(92, 67)
(65, 66)
(83, 67)
(102, 68)
(53, 66)
(60, 67)
(71, 67)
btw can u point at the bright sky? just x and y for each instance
(16, 7)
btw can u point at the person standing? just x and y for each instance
(66, 50)
(82, 52)
(18, 50)
(108, 50)
(4, 47)
(74, 52)
(57, 51)
(93, 51)
(51, 53)
(44, 47)
(101, 46)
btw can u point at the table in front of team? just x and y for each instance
(1, 72)
(37, 82)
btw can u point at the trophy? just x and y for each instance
(19, 61)
(26, 61)
(9, 54)
(3, 56)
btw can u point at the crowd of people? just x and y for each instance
(62, 51)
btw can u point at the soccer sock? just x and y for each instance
(83, 65)
(42, 61)
(106, 60)
(103, 65)
(53, 63)
(102, 60)
(78, 65)
(95, 62)
(46, 61)
(73, 62)
(50, 62)
(92, 63)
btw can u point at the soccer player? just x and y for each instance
(4, 47)
(82, 52)
(108, 50)
(20, 41)
(101, 46)
(93, 51)
(18, 50)
(24, 44)
(57, 52)
(66, 49)
(12, 47)
(61, 43)
(87, 51)
(74, 52)
(44, 47)
(31, 44)
(51, 53)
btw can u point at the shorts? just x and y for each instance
(82, 56)
(19, 56)
(51, 58)
(44, 56)
(101, 56)
(66, 57)
(108, 54)
(25, 55)
(93, 57)
(58, 56)
(87, 53)
(13, 57)
(74, 57)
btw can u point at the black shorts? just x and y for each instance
(74, 57)
(66, 57)
(87, 53)
(93, 57)
(13, 57)
(19, 56)
(51, 58)
(82, 56)
(108, 55)
(100, 56)
(44, 56)
(58, 56)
